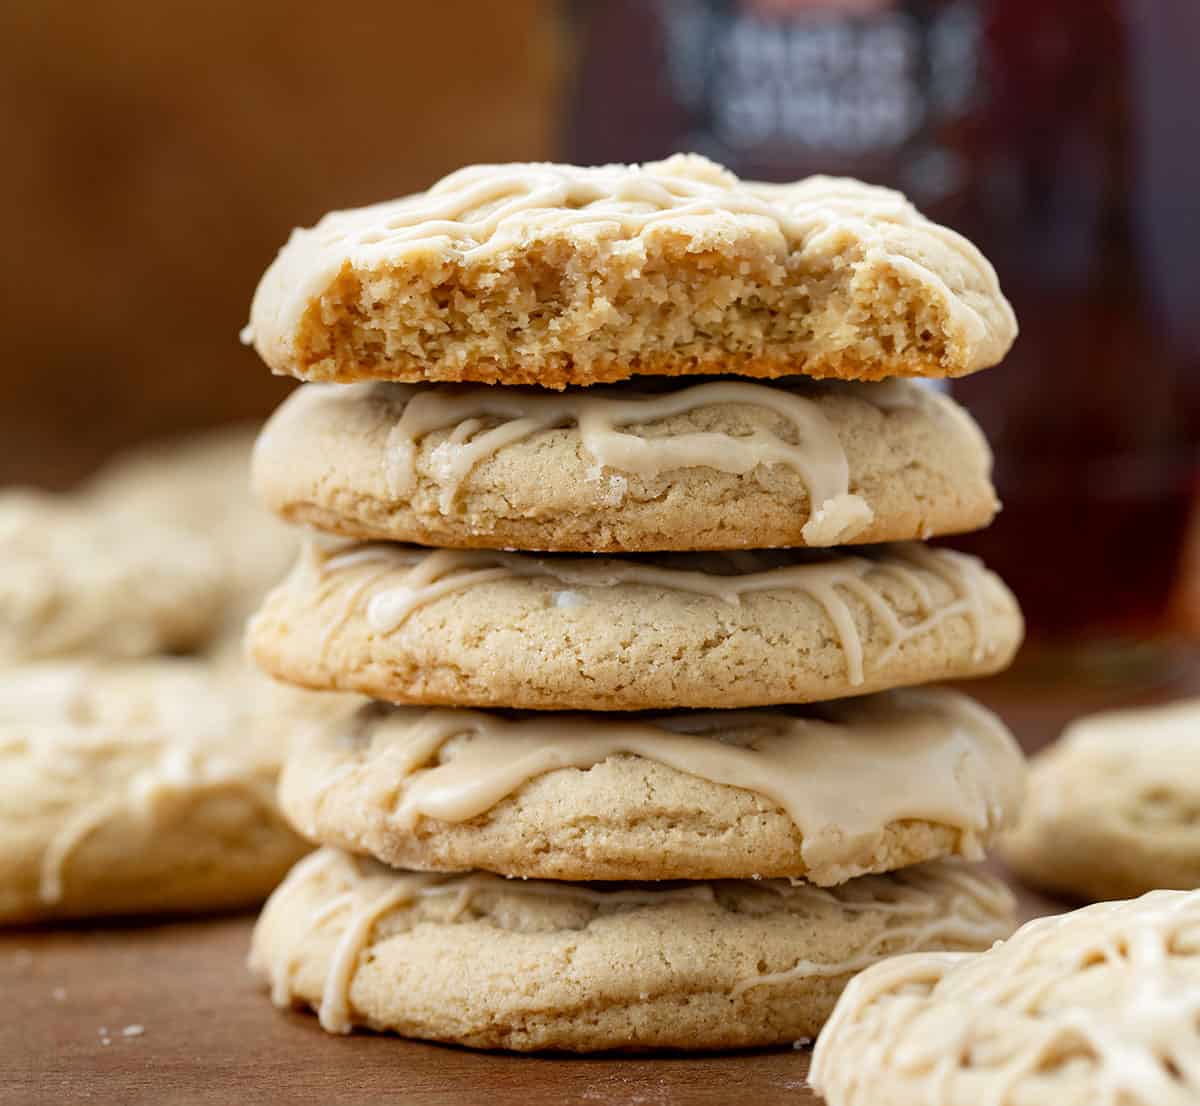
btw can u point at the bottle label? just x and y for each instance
(791, 81)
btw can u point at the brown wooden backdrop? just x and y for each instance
(157, 154)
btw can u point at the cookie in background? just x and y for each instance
(164, 551)
(141, 787)
(136, 781)
(77, 580)
(200, 484)
(1113, 807)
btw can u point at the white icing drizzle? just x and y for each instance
(915, 902)
(405, 579)
(67, 838)
(371, 891)
(482, 211)
(1101, 1006)
(918, 754)
(365, 909)
(979, 913)
(817, 455)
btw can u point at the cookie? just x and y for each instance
(717, 465)
(481, 629)
(529, 965)
(201, 484)
(77, 581)
(710, 795)
(556, 275)
(139, 787)
(1096, 1007)
(1113, 807)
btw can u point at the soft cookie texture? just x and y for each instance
(530, 965)
(1114, 806)
(140, 787)
(469, 628)
(556, 275)
(722, 465)
(1096, 1008)
(75, 580)
(716, 795)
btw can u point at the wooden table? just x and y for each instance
(208, 1035)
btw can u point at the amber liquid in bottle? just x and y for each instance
(1060, 135)
(1084, 195)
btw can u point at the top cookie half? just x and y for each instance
(557, 275)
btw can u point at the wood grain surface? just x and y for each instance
(210, 1036)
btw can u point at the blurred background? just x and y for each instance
(158, 155)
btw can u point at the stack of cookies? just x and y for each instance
(592, 590)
